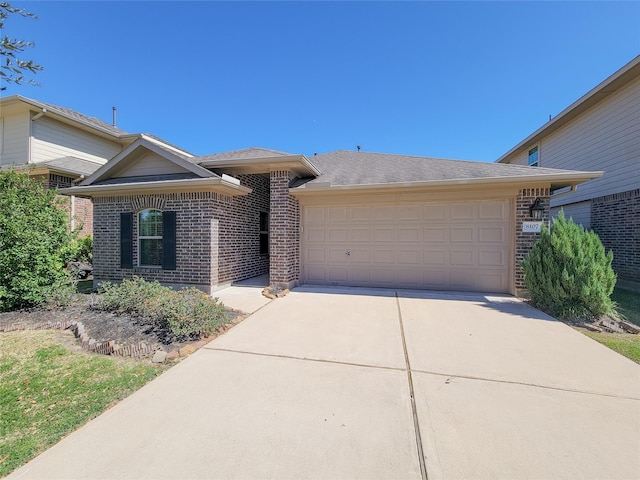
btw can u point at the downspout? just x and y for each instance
(73, 213)
(30, 146)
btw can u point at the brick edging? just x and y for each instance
(138, 350)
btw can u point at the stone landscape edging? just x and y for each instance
(138, 351)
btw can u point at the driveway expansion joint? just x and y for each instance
(414, 410)
(451, 376)
(307, 359)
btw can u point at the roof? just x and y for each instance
(628, 73)
(358, 169)
(243, 154)
(78, 166)
(92, 122)
(69, 114)
(148, 178)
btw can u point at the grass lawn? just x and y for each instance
(47, 391)
(628, 304)
(625, 344)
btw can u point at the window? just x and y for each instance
(264, 233)
(533, 157)
(150, 238)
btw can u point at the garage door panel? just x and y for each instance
(337, 234)
(410, 257)
(337, 214)
(359, 255)
(492, 258)
(435, 212)
(462, 211)
(409, 234)
(384, 213)
(463, 257)
(463, 234)
(382, 256)
(435, 234)
(360, 214)
(360, 234)
(435, 257)
(455, 246)
(493, 211)
(412, 213)
(492, 234)
(385, 234)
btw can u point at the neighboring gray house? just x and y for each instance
(600, 131)
(342, 218)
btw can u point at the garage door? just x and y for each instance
(450, 246)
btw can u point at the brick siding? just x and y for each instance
(616, 220)
(81, 220)
(525, 240)
(284, 232)
(217, 237)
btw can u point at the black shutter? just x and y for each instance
(169, 240)
(126, 240)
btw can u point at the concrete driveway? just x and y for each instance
(359, 383)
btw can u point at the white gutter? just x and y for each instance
(570, 179)
(207, 184)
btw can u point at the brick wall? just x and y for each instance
(525, 240)
(616, 220)
(81, 213)
(217, 237)
(284, 232)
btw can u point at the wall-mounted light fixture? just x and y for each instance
(536, 210)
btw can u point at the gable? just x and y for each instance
(148, 163)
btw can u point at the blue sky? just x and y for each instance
(463, 80)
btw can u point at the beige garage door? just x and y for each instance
(450, 246)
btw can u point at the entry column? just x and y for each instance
(284, 232)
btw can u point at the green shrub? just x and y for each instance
(80, 250)
(34, 236)
(568, 274)
(187, 313)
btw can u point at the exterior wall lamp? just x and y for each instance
(536, 210)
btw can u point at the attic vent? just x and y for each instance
(142, 202)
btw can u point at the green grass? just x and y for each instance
(624, 343)
(47, 391)
(628, 304)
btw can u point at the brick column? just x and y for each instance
(284, 232)
(525, 240)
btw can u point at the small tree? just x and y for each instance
(568, 274)
(13, 68)
(34, 237)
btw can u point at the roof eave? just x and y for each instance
(218, 185)
(283, 161)
(556, 181)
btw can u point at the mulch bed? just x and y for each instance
(101, 326)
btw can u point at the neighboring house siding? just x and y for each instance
(579, 212)
(53, 139)
(606, 137)
(616, 220)
(15, 139)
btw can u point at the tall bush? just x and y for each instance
(568, 273)
(34, 236)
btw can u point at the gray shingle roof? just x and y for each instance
(344, 167)
(245, 153)
(91, 121)
(75, 165)
(148, 178)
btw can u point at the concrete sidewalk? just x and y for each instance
(315, 385)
